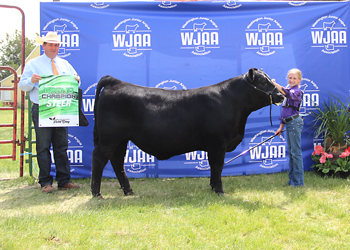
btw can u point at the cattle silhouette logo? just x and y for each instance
(99, 5)
(132, 37)
(200, 36)
(60, 28)
(136, 161)
(167, 5)
(68, 33)
(265, 36)
(270, 153)
(329, 33)
(171, 84)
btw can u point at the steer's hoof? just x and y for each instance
(129, 193)
(219, 192)
(98, 196)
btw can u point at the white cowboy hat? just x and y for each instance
(51, 37)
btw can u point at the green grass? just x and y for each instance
(258, 212)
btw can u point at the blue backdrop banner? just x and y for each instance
(184, 45)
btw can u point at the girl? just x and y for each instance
(294, 125)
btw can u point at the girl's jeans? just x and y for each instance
(296, 167)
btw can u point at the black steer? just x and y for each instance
(165, 123)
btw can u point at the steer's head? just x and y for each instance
(262, 82)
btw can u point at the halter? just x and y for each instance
(269, 93)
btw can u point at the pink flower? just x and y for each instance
(323, 159)
(328, 155)
(318, 150)
(344, 154)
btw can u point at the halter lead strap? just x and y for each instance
(269, 93)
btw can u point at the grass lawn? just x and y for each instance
(258, 212)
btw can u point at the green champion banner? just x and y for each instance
(58, 101)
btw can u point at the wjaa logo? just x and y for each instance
(264, 35)
(137, 161)
(68, 33)
(311, 96)
(200, 35)
(74, 153)
(329, 34)
(88, 100)
(270, 153)
(198, 159)
(132, 37)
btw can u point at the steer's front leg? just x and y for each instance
(216, 161)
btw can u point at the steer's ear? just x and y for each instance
(251, 74)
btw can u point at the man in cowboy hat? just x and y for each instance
(48, 64)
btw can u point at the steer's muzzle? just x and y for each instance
(277, 97)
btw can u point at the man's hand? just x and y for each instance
(36, 78)
(77, 78)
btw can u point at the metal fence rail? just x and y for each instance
(14, 122)
(14, 107)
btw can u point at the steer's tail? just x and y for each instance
(104, 81)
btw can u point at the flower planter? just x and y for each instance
(332, 122)
(328, 164)
(336, 150)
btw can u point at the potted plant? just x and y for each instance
(326, 163)
(331, 121)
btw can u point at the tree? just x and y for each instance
(11, 52)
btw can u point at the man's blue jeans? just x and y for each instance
(58, 137)
(296, 167)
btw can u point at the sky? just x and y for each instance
(11, 18)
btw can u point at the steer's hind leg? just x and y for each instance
(117, 161)
(216, 161)
(99, 161)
